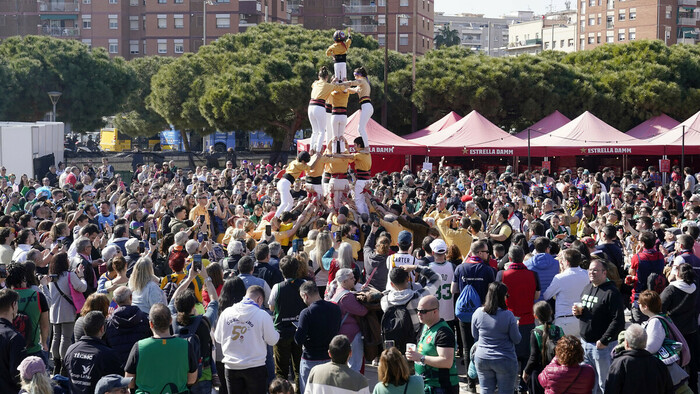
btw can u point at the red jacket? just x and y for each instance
(557, 379)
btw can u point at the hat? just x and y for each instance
(29, 366)
(581, 186)
(405, 238)
(466, 198)
(109, 382)
(132, 246)
(109, 252)
(588, 241)
(546, 189)
(438, 246)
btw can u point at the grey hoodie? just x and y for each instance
(411, 297)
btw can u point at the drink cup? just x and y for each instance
(578, 306)
(410, 347)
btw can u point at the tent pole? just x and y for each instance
(683, 150)
(529, 157)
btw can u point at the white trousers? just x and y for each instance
(318, 189)
(360, 197)
(340, 70)
(338, 123)
(365, 114)
(329, 129)
(317, 117)
(337, 187)
(287, 202)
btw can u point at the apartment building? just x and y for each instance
(481, 34)
(399, 24)
(133, 28)
(618, 21)
(552, 31)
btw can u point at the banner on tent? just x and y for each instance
(664, 165)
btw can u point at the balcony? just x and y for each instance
(55, 31)
(61, 6)
(687, 40)
(363, 28)
(688, 2)
(360, 9)
(687, 21)
(294, 9)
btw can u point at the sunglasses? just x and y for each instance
(424, 311)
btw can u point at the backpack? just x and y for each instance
(189, 333)
(171, 286)
(23, 323)
(656, 282)
(555, 333)
(397, 325)
(467, 303)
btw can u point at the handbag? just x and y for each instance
(65, 296)
(78, 297)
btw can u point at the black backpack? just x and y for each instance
(397, 325)
(189, 333)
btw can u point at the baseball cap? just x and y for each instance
(405, 238)
(30, 366)
(438, 246)
(109, 382)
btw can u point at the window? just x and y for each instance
(632, 34)
(591, 21)
(112, 1)
(134, 47)
(561, 44)
(133, 3)
(381, 20)
(581, 42)
(571, 42)
(621, 36)
(591, 3)
(403, 39)
(609, 22)
(182, 1)
(179, 21)
(546, 45)
(86, 1)
(382, 3)
(88, 42)
(403, 21)
(609, 37)
(621, 15)
(162, 46)
(113, 45)
(583, 6)
(597, 40)
(428, 39)
(87, 22)
(113, 22)
(133, 23)
(669, 12)
(162, 1)
(144, 47)
(162, 21)
(600, 19)
(633, 14)
(179, 46)
(223, 21)
(404, 3)
(382, 39)
(611, 4)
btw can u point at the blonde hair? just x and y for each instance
(38, 384)
(323, 244)
(142, 274)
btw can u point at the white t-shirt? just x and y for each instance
(444, 293)
(398, 260)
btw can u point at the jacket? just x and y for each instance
(126, 326)
(638, 371)
(374, 260)
(148, 296)
(603, 313)
(60, 310)
(546, 267)
(88, 360)
(556, 378)
(680, 302)
(12, 352)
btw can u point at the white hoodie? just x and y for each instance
(244, 331)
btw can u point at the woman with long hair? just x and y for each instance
(144, 287)
(320, 265)
(62, 310)
(34, 379)
(95, 302)
(395, 376)
(540, 339)
(351, 310)
(495, 329)
(320, 92)
(363, 89)
(216, 273)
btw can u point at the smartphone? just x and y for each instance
(53, 276)
(268, 230)
(197, 261)
(201, 218)
(3, 271)
(336, 236)
(154, 237)
(142, 246)
(205, 237)
(297, 245)
(200, 237)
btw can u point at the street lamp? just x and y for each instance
(54, 96)
(204, 21)
(397, 28)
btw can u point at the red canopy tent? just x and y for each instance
(388, 150)
(672, 140)
(441, 124)
(653, 127)
(587, 135)
(546, 125)
(473, 135)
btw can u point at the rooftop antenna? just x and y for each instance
(567, 3)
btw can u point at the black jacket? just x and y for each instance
(127, 325)
(87, 361)
(638, 371)
(12, 352)
(681, 307)
(603, 313)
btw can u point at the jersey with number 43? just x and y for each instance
(444, 293)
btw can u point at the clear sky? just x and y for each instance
(496, 8)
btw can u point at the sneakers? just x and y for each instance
(375, 362)
(471, 387)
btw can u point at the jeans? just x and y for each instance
(203, 387)
(285, 350)
(247, 381)
(358, 353)
(305, 367)
(62, 339)
(600, 360)
(499, 373)
(270, 365)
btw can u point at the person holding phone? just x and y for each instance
(200, 212)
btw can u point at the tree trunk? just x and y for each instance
(281, 149)
(186, 146)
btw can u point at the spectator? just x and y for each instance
(436, 349)
(112, 384)
(376, 251)
(96, 302)
(246, 266)
(601, 318)
(543, 264)
(245, 346)
(33, 304)
(88, 359)
(232, 293)
(351, 309)
(263, 269)
(162, 361)
(126, 325)
(394, 375)
(643, 263)
(495, 328)
(12, 344)
(566, 288)
(337, 375)
(403, 257)
(84, 258)
(144, 287)
(34, 379)
(685, 247)
(541, 340)
(566, 373)
(318, 324)
(635, 370)
(281, 386)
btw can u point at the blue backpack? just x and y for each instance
(467, 303)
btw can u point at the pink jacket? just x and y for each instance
(558, 379)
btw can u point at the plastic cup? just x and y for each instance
(410, 347)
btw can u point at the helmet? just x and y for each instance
(339, 35)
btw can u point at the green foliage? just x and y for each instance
(93, 85)
(447, 37)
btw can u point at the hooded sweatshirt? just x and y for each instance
(545, 266)
(244, 331)
(680, 302)
(410, 297)
(603, 313)
(127, 325)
